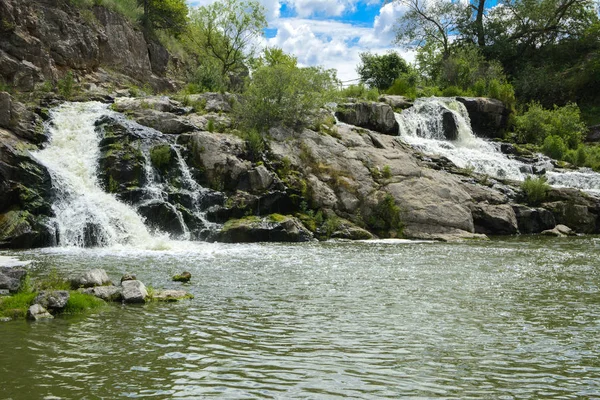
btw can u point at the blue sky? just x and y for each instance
(330, 33)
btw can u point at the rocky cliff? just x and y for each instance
(41, 40)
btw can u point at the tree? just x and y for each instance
(380, 71)
(281, 93)
(226, 31)
(168, 15)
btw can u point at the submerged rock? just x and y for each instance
(183, 277)
(106, 293)
(274, 228)
(171, 295)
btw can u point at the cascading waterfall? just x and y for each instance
(85, 215)
(422, 126)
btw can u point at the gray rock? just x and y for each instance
(134, 292)
(494, 219)
(36, 312)
(378, 117)
(274, 228)
(559, 231)
(106, 293)
(128, 277)
(396, 102)
(91, 278)
(260, 179)
(489, 117)
(11, 279)
(533, 220)
(593, 134)
(53, 300)
(576, 216)
(164, 122)
(157, 103)
(5, 105)
(215, 102)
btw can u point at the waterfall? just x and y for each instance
(85, 215)
(423, 126)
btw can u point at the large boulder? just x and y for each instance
(396, 102)
(22, 121)
(533, 220)
(162, 216)
(134, 292)
(494, 219)
(91, 278)
(11, 279)
(53, 300)
(576, 216)
(378, 117)
(36, 312)
(213, 102)
(106, 293)
(489, 117)
(273, 228)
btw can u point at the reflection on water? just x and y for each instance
(517, 318)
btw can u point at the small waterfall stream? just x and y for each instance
(85, 214)
(422, 126)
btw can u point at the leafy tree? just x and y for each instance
(564, 123)
(168, 15)
(226, 31)
(380, 71)
(280, 93)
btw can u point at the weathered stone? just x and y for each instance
(260, 179)
(91, 278)
(106, 293)
(11, 279)
(164, 122)
(378, 117)
(559, 231)
(36, 312)
(274, 228)
(576, 216)
(134, 292)
(162, 216)
(128, 277)
(171, 295)
(533, 220)
(396, 102)
(183, 277)
(449, 125)
(494, 219)
(53, 300)
(214, 102)
(489, 117)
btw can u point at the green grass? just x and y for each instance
(16, 306)
(535, 190)
(79, 303)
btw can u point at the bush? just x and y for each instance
(360, 91)
(80, 302)
(404, 86)
(554, 147)
(386, 218)
(537, 123)
(255, 144)
(66, 85)
(535, 190)
(452, 91)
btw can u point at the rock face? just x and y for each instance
(495, 219)
(533, 220)
(54, 300)
(489, 117)
(275, 228)
(39, 39)
(378, 117)
(91, 278)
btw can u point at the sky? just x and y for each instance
(330, 33)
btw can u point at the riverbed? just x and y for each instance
(512, 318)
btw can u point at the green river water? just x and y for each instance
(515, 318)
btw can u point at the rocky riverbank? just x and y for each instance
(331, 181)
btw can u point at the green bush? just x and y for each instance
(452, 91)
(16, 306)
(403, 86)
(537, 123)
(161, 156)
(359, 91)
(535, 190)
(554, 147)
(66, 85)
(255, 144)
(386, 218)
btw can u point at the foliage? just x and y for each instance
(283, 94)
(161, 156)
(80, 302)
(16, 306)
(168, 15)
(255, 144)
(54, 281)
(554, 147)
(538, 123)
(380, 71)
(225, 31)
(535, 190)
(360, 91)
(66, 85)
(405, 85)
(386, 218)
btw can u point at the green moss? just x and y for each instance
(236, 223)
(386, 172)
(80, 302)
(277, 218)
(113, 185)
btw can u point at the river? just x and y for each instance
(512, 318)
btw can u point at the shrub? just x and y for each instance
(452, 91)
(360, 91)
(537, 123)
(161, 156)
(210, 126)
(386, 218)
(255, 144)
(535, 190)
(403, 86)
(554, 147)
(66, 85)
(386, 172)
